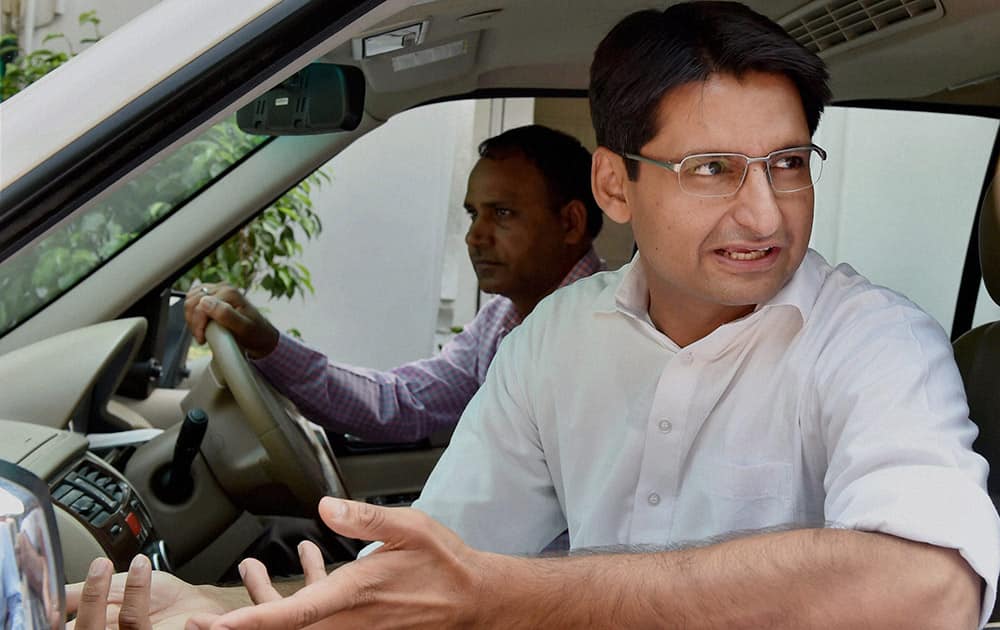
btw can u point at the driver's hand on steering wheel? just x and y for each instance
(230, 308)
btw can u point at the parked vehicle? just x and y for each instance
(88, 254)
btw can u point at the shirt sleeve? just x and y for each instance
(492, 485)
(899, 441)
(404, 404)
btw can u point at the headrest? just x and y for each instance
(989, 240)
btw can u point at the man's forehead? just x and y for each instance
(502, 179)
(754, 114)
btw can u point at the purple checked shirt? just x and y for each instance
(407, 403)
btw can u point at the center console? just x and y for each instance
(98, 512)
(104, 503)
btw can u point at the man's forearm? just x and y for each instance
(816, 578)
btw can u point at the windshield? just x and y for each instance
(41, 273)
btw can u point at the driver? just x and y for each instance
(532, 222)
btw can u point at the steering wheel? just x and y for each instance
(259, 452)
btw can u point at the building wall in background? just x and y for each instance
(377, 266)
(900, 183)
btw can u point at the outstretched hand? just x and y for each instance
(141, 599)
(422, 576)
(230, 308)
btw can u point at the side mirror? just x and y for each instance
(31, 574)
(320, 98)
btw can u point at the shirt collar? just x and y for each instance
(631, 294)
(589, 264)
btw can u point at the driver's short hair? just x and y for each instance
(563, 162)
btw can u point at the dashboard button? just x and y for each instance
(83, 505)
(100, 519)
(61, 491)
(133, 523)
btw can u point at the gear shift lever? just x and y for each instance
(174, 484)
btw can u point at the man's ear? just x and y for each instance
(607, 178)
(574, 221)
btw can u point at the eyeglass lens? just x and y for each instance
(719, 175)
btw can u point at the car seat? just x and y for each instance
(978, 352)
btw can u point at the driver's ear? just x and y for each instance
(607, 178)
(574, 221)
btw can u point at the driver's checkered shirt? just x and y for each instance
(409, 402)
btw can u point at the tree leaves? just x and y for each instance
(262, 254)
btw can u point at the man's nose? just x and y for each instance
(480, 233)
(757, 207)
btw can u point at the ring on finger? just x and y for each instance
(205, 291)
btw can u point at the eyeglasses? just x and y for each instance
(722, 174)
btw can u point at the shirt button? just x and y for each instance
(653, 498)
(665, 426)
(686, 358)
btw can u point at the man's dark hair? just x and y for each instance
(563, 162)
(651, 52)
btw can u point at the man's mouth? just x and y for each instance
(746, 254)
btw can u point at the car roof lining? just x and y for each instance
(521, 46)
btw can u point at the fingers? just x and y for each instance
(197, 318)
(257, 581)
(134, 612)
(396, 527)
(227, 306)
(202, 304)
(200, 621)
(313, 567)
(310, 604)
(92, 603)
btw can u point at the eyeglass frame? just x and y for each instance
(675, 167)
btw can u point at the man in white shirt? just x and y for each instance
(807, 429)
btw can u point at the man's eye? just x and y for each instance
(708, 167)
(503, 212)
(791, 161)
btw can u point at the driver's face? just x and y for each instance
(516, 240)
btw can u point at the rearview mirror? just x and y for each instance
(31, 574)
(320, 98)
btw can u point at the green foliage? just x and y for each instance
(25, 69)
(261, 254)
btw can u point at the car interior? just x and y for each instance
(96, 397)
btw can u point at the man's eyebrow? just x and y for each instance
(679, 155)
(488, 204)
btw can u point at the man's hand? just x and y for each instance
(424, 576)
(142, 598)
(231, 309)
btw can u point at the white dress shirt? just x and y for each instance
(836, 403)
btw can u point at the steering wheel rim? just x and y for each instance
(291, 458)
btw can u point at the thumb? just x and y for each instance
(396, 527)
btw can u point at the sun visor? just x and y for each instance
(422, 64)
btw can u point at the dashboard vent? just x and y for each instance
(832, 26)
(90, 492)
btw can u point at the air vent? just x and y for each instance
(90, 492)
(832, 26)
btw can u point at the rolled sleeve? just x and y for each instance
(899, 444)
(928, 504)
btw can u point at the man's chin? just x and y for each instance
(487, 285)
